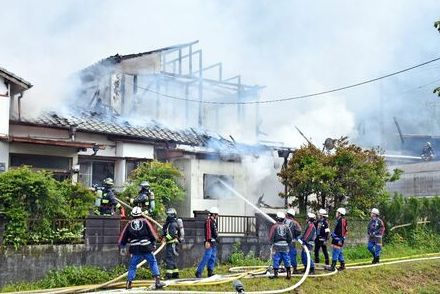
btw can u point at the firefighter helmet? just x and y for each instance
(311, 215)
(144, 184)
(281, 216)
(323, 212)
(342, 210)
(171, 212)
(136, 211)
(291, 212)
(108, 182)
(375, 211)
(214, 210)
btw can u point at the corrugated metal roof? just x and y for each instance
(116, 126)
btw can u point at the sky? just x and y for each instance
(290, 47)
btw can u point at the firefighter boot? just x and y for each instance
(128, 285)
(175, 275)
(275, 274)
(210, 272)
(168, 276)
(158, 284)
(327, 262)
(342, 267)
(289, 273)
(312, 271)
(332, 267)
(295, 271)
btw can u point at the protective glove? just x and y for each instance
(123, 251)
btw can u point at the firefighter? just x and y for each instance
(108, 201)
(308, 239)
(173, 234)
(295, 230)
(211, 235)
(280, 238)
(338, 238)
(376, 229)
(145, 198)
(142, 237)
(322, 232)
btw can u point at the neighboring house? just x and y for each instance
(12, 88)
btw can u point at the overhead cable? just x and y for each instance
(293, 97)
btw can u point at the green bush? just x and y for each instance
(401, 210)
(32, 200)
(238, 258)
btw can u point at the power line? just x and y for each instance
(295, 97)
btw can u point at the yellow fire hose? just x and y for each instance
(96, 287)
(237, 273)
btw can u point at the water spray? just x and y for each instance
(247, 201)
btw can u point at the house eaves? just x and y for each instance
(20, 83)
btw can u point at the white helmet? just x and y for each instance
(171, 212)
(291, 212)
(323, 212)
(144, 184)
(375, 211)
(311, 215)
(341, 210)
(281, 215)
(136, 211)
(214, 210)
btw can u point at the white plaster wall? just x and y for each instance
(184, 208)
(120, 172)
(134, 150)
(4, 154)
(5, 103)
(228, 206)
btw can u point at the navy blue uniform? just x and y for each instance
(338, 238)
(308, 239)
(210, 255)
(376, 230)
(280, 238)
(171, 234)
(322, 231)
(141, 237)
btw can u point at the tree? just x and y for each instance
(307, 173)
(163, 178)
(349, 176)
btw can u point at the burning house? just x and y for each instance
(127, 111)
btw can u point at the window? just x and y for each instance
(58, 165)
(94, 172)
(214, 189)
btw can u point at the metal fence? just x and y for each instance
(237, 225)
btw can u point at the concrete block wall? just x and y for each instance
(100, 248)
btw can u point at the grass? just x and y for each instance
(414, 277)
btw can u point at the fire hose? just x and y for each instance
(237, 273)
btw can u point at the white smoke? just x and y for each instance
(291, 47)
